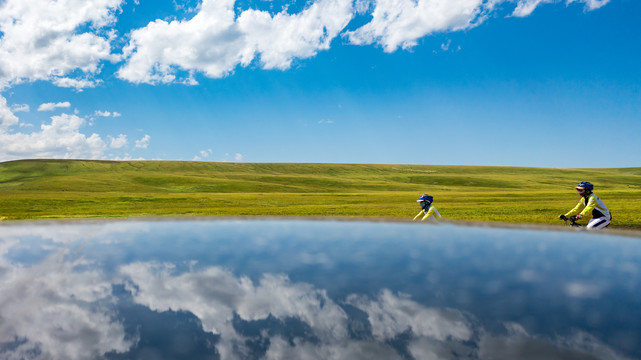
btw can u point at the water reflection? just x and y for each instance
(314, 290)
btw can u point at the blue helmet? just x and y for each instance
(426, 198)
(586, 185)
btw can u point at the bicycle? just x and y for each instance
(572, 220)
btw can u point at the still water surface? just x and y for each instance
(293, 289)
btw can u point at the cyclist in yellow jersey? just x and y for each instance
(427, 209)
(601, 216)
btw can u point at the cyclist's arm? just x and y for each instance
(429, 213)
(576, 209)
(589, 207)
(417, 215)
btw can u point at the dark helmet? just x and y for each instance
(586, 185)
(426, 198)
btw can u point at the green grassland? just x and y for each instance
(63, 189)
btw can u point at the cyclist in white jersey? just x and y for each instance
(427, 209)
(601, 216)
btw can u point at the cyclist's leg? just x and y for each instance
(599, 223)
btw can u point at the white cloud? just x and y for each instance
(518, 344)
(48, 40)
(280, 348)
(362, 6)
(143, 143)
(7, 118)
(214, 41)
(400, 23)
(446, 46)
(106, 113)
(526, 7)
(214, 295)
(236, 157)
(592, 4)
(203, 154)
(20, 108)
(583, 290)
(52, 106)
(50, 311)
(62, 138)
(75, 318)
(59, 139)
(66, 42)
(119, 142)
(78, 84)
(391, 315)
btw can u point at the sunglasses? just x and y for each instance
(581, 191)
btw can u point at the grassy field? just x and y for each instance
(63, 189)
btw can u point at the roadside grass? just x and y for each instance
(65, 189)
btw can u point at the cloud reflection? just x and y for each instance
(394, 326)
(69, 307)
(54, 310)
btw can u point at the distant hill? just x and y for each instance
(38, 189)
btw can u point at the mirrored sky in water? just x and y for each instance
(277, 289)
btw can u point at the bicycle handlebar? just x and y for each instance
(572, 220)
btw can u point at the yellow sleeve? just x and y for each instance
(430, 212)
(576, 209)
(417, 215)
(589, 207)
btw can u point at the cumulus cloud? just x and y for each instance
(53, 106)
(7, 117)
(391, 315)
(214, 41)
(215, 295)
(118, 142)
(66, 42)
(280, 348)
(61, 138)
(526, 7)
(106, 113)
(49, 311)
(77, 313)
(77, 84)
(591, 4)
(583, 290)
(49, 40)
(518, 344)
(400, 23)
(20, 108)
(143, 143)
(203, 154)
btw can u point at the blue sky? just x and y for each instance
(453, 82)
